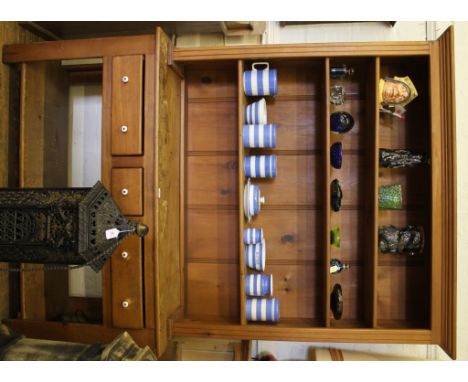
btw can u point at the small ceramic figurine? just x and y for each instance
(336, 266)
(336, 195)
(341, 122)
(395, 93)
(408, 240)
(400, 158)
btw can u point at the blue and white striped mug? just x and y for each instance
(261, 82)
(259, 285)
(255, 256)
(252, 200)
(253, 235)
(256, 113)
(262, 309)
(260, 166)
(259, 136)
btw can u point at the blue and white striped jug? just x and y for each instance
(259, 285)
(259, 136)
(262, 309)
(261, 82)
(255, 256)
(260, 166)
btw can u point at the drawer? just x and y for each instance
(127, 105)
(127, 190)
(127, 293)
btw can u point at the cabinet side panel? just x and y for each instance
(168, 266)
(445, 220)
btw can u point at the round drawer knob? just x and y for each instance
(125, 304)
(125, 79)
(124, 191)
(124, 255)
(123, 129)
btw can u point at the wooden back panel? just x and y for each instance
(43, 163)
(211, 193)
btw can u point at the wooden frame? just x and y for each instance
(168, 288)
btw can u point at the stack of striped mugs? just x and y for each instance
(258, 134)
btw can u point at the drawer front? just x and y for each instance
(127, 294)
(127, 101)
(127, 190)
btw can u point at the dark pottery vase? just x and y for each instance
(400, 158)
(336, 154)
(408, 240)
(341, 122)
(336, 301)
(336, 195)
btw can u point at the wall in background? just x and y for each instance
(85, 111)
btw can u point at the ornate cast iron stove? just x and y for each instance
(79, 226)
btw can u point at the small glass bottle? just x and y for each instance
(336, 266)
(340, 71)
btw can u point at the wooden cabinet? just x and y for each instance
(188, 182)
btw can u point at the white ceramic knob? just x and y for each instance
(123, 129)
(124, 255)
(125, 79)
(124, 192)
(125, 304)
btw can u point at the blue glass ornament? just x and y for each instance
(341, 122)
(336, 154)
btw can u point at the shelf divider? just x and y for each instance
(373, 209)
(242, 101)
(326, 200)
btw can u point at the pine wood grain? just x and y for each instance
(167, 265)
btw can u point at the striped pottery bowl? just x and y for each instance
(255, 256)
(261, 82)
(253, 235)
(256, 113)
(262, 309)
(259, 136)
(260, 166)
(259, 285)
